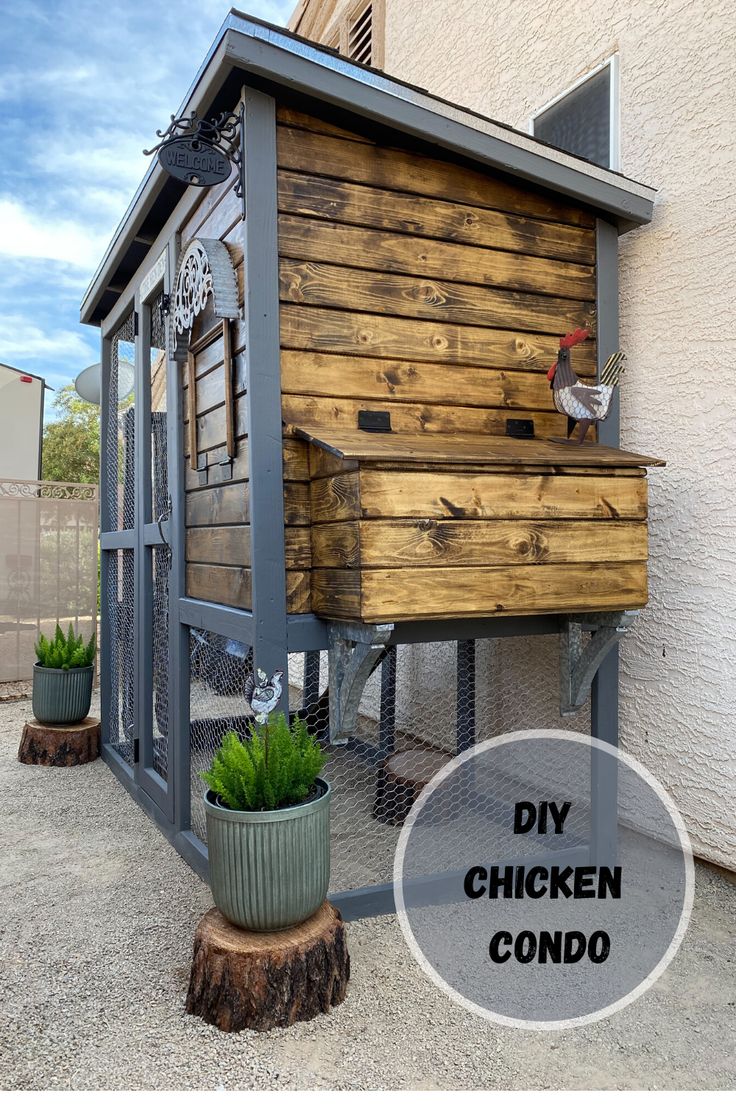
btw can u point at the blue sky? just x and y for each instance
(83, 87)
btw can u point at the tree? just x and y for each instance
(71, 444)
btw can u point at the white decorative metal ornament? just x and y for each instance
(205, 269)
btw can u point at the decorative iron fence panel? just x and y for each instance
(48, 566)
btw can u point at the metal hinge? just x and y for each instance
(135, 323)
(136, 748)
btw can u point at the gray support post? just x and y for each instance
(143, 666)
(265, 444)
(179, 674)
(387, 716)
(465, 695)
(604, 691)
(106, 558)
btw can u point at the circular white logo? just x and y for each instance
(544, 879)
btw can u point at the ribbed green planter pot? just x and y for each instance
(61, 697)
(269, 870)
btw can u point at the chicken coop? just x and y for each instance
(342, 457)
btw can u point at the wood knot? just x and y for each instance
(426, 524)
(429, 293)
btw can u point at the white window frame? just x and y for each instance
(612, 63)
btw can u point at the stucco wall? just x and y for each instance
(678, 288)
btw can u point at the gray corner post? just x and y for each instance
(179, 733)
(105, 643)
(265, 444)
(604, 691)
(143, 653)
(604, 700)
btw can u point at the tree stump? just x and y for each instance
(261, 980)
(401, 779)
(46, 745)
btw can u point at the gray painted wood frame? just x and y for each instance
(179, 744)
(149, 536)
(605, 689)
(105, 557)
(263, 397)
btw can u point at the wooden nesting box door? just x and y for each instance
(407, 528)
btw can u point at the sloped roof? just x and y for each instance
(245, 47)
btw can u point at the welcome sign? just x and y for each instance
(194, 161)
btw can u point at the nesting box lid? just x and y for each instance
(465, 449)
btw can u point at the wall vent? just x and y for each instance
(360, 36)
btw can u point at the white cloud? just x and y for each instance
(21, 339)
(30, 233)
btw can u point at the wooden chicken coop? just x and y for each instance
(354, 447)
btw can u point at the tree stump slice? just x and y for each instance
(401, 779)
(46, 745)
(260, 980)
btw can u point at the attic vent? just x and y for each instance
(360, 36)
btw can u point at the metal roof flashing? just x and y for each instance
(265, 51)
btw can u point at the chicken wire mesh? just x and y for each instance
(119, 432)
(161, 565)
(161, 554)
(422, 705)
(120, 615)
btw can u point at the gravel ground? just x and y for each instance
(15, 691)
(98, 914)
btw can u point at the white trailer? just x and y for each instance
(21, 423)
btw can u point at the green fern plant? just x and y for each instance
(273, 767)
(65, 651)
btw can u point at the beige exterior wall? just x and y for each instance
(678, 281)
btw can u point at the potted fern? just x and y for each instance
(62, 677)
(268, 830)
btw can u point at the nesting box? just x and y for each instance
(406, 526)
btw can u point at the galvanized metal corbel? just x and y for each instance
(354, 652)
(579, 663)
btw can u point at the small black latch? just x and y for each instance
(519, 427)
(136, 749)
(374, 421)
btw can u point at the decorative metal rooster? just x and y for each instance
(263, 694)
(584, 403)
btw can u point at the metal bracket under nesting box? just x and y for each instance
(579, 663)
(354, 651)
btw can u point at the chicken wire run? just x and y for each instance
(437, 697)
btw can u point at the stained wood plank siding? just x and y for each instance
(354, 496)
(217, 497)
(417, 285)
(388, 595)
